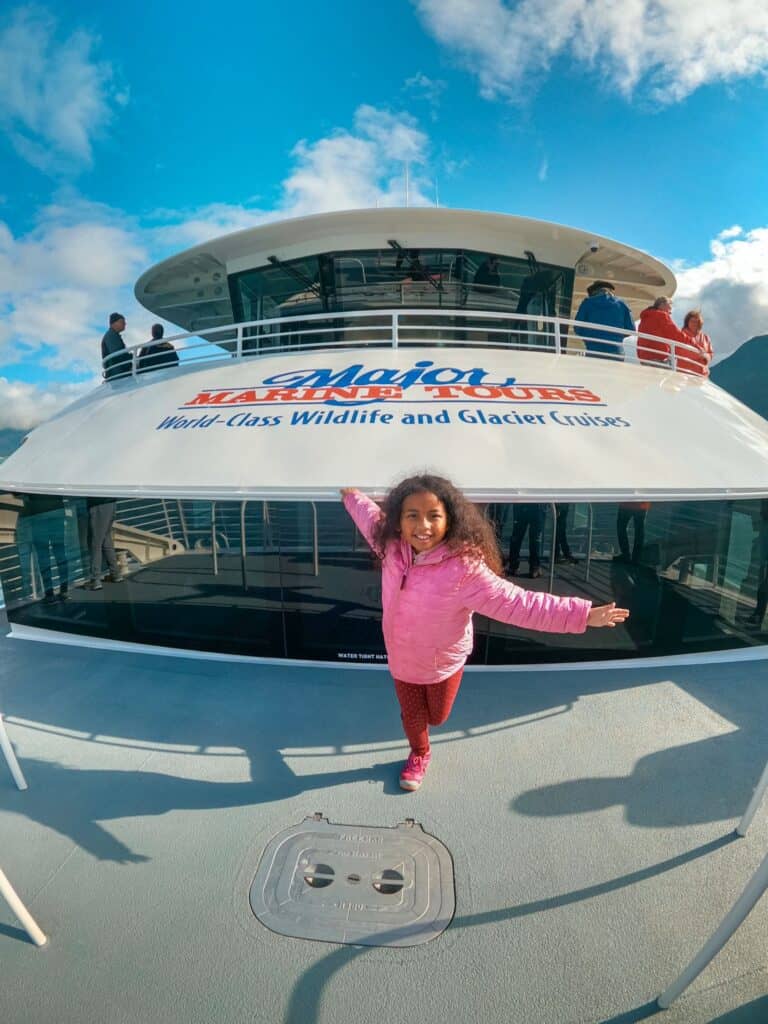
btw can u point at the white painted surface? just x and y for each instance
(644, 433)
(52, 636)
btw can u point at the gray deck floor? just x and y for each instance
(589, 813)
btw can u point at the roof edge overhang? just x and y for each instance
(327, 494)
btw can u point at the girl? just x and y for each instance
(440, 563)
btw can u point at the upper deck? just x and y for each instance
(389, 258)
(293, 408)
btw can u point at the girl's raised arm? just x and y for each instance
(365, 512)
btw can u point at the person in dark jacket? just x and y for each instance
(101, 516)
(602, 307)
(562, 547)
(487, 275)
(636, 511)
(45, 517)
(528, 518)
(158, 353)
(113, 345)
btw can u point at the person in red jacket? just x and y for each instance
(657, 320)
(695, 362)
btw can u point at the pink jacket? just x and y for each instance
(695, 362)
(428, 603)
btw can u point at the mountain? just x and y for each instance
(10, 440)
(745, 374)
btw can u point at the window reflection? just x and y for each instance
(293, 579)
(401, 277)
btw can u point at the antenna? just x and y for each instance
(407, 183)
(437, 194)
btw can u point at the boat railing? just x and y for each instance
(398, 328)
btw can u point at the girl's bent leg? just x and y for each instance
(414, 713)
(440, 697)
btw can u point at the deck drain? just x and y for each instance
(353, 884)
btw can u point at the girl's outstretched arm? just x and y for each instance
(365, 512)
(484, 592)
(607, 615)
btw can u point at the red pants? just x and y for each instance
(422, 706)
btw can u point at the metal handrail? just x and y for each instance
(349, 328)
(214, 549)
(553, 506)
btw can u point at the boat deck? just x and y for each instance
(589, 813)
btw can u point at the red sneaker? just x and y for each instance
(412, 775)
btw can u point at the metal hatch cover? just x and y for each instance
(355, 884)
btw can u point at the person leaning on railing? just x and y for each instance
(657, 320)
(601, 307)
(112, 345)
(695, 362)
(157, 353)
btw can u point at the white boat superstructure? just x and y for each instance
(359, 347)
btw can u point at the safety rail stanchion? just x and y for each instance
(754, 803)
(28, 922)
(755, 888)
(589, 542)
(315, 542)
(553, 548)
(214, 549)
(243, 546)
(10, 757)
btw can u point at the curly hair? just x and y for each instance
(468, 531)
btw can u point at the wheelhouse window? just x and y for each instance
(402, 276)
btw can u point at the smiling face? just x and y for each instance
(423, 521)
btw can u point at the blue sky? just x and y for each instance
(129, 135)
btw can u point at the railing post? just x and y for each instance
(558, 347)
(30, 925)
(243, 548)
(239, 350)
(315, 545)
(395, 329)
(214, 549)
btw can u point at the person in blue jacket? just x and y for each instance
(602, 307)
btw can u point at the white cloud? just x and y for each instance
(178, 229)
(345, 170)
(664, 48)
(430, 90)
(25, 405)
(59, 283)
(55, 98)
(731, 288)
